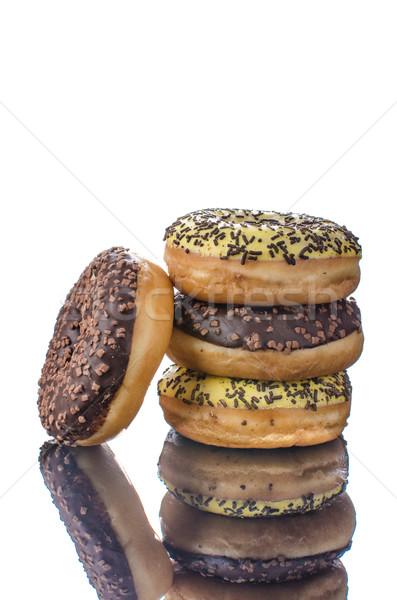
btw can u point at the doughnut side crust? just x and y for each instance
(152, 331)
(244, 474)
(311, 281)
(270, 365)
(329, 584)
(150, 565)
(262, 428)
(289, 536)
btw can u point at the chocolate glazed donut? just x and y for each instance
(262, 342)
(109, 338)
(329, 584)
(282, 548)
(121, 554)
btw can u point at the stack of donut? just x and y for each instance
(258, 397)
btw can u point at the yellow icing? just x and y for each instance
(253, 508)
(194, 387)
(260, 235)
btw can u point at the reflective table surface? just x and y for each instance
(39, 554)
(117, 119)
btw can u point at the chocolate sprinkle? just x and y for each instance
(279, 328)
(89, 352)
(87, 522)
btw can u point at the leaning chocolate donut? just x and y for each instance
(266, 258)
(270, 550)
(120, 552)
(248, 413)
(109, 338)
(262, 342)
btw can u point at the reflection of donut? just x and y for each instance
(329, 584)
(103, 514)
(267, 258)
(289, 342)
(250, 482)
(108, 341)
(247, 413)
(281, 549)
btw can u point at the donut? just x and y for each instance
(247, 413)
(266, 258)
(120, 552)
(253, 482)
(109, 338)
(328, 584)
(262, 342)
(264, 550)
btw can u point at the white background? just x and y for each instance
(118, 117)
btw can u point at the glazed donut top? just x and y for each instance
(280, 328)
(89, 352)
(194, 387)
(259, 235)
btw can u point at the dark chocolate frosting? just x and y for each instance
(247, 570)
(87, 522)
(280, 328)
(89, 352)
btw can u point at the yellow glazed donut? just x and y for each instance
(253, 482)
(266, 342)
(257, 257)
(247, 413)
(109, 339)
